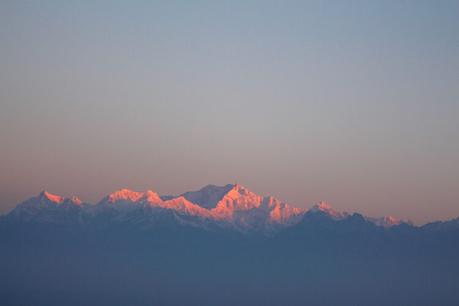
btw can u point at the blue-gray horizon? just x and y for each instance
(352, 103)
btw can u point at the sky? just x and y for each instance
(355, 103)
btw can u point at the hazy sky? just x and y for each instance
(354, 103)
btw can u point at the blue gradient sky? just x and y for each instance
(351, 102)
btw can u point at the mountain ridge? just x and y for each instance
(228, 206)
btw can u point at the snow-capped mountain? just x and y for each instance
(241, 208)
(231, 206)
(46, 200)
(47, 207)
(148, 209)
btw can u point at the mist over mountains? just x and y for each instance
(220, 245)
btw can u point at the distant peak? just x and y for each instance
(327, 209)
(322, 206)
(386, 221)
(391, 219)
(125, 194)
(51, 197)
(75, 200)
(56, 199)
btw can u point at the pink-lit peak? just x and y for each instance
(51, 197)
(45, 195)
(128, 195)
(125, 194)
(238, 191)
(151, 196)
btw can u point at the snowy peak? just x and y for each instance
(326, 208)
(322, 206)
(151, 197)
(211, 195)
(386, 221)
(236, 205)
(242, 195)
(126, 200)
(47, 207)
(247, 210)
(237, 199)
(75, 200)
(282, 213)
(208, 196)
(47, 196)
(239, 192)
(124, 195)
(182, 205)
(130, 196)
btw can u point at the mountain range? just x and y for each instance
(220, 245)
(230, 207)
